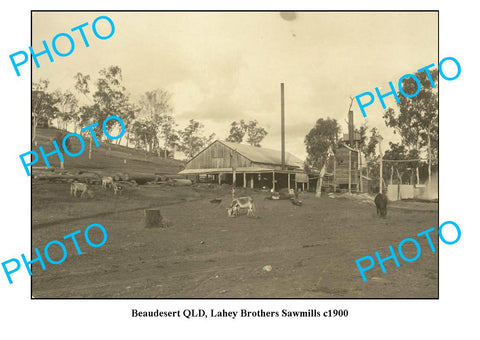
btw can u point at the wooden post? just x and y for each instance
(288, 174)
(244, 179)
(381, 163)
(282, 104)
(349, 171)
(233, 164)
(273, 180)
(429, 145)
(359, 165)
(90, 148)
(153, 218)
(334, 174)
(381, 174)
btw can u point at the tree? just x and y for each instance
(362, 131)
(417, 119)
(144, 134)
(59, 139)
(192, 139)
(87, 111)
(82, 83)
(321, 144)
(396, 152)
(255, 133)
(111, 97)
(370, 150)
(156, 110)
(43, 106)
(237, 132)
(169, 134)
(67, 105)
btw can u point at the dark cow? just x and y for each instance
(381, 203)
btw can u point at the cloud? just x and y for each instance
(226, 66)
(218, 108)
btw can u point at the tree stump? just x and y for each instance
(153, 218)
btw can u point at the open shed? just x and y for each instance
(245, 165)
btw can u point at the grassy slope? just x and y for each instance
(110, 161)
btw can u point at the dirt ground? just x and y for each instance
(202, 253)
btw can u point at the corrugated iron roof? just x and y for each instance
(263, 155)
(239, 170)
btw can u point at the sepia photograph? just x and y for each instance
(234, 154)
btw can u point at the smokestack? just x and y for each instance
(350, 127)
(283, 124)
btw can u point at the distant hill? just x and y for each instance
(108, 158)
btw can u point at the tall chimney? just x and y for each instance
(350, 128)
(283, 124)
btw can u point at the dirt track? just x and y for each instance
(312, 249)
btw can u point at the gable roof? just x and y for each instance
(264, 155)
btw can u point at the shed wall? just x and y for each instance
(218, 155)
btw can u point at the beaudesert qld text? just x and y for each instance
(242, 313)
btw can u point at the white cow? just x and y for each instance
(241, 203)
(107, 180)
(82, 187)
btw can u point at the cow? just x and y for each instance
(82, 187)
(107, 180)
(381, 203)
(117, 188)
(241, 203)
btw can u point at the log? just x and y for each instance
(182, 182)
(153, 218)
(142, 178)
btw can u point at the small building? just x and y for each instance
(344, 170)
(246, 165)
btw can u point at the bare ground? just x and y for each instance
(205, 254)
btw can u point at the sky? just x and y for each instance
(226, 66)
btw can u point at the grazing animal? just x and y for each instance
(82, 187)
(233, 211)
(241, 203)
(107, 180)
(381, 203)
(117, 188)
(296, 201)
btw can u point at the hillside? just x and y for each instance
(106, 159)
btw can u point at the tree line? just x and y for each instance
(150, 123)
